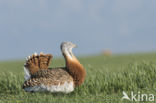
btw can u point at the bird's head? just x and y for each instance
(66, 47)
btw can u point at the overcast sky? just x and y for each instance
(122, 26)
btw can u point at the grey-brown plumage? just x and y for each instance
(54, 76)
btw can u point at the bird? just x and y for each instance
(39, 78)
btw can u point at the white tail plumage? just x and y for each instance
(26, 73)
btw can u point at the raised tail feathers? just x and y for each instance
(35, 63)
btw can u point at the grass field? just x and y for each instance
(107, 77)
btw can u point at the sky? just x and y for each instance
(122, 26)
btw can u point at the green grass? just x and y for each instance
(107, 78)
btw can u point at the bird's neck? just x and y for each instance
(68, 55)
(75, 69)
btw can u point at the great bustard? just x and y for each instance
(38, 77)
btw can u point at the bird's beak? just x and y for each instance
(75, 46)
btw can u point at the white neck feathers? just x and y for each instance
(67, 52)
